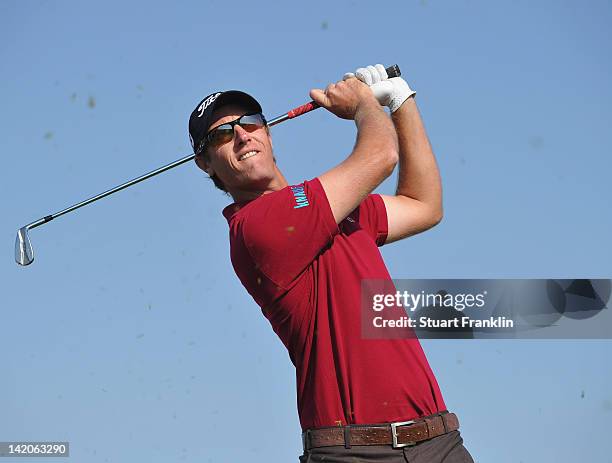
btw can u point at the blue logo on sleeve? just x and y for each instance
(300, 197)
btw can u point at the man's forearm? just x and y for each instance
(376, 136)
(418, 177)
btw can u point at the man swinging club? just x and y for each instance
(302, 250)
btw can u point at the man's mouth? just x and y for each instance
(248, 155)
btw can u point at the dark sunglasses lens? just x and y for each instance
(252, 119)
(221, 134)
(252, 122)
(225, 132)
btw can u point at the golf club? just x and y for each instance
(24, 254)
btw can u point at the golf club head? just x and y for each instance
(24, 254)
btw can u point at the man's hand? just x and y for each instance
(344, 98)
(389, 92)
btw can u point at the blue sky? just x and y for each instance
(131, 337)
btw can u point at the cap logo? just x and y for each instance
(207, 102)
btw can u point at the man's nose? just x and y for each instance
(240, 135)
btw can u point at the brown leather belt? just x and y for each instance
(399, 434)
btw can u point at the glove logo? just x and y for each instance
(207, 102)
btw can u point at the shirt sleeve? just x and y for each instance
(372, 217)
(286, 230)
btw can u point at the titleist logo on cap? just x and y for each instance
(206, 103)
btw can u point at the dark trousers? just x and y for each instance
(447, 448)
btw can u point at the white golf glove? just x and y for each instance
(389, 92)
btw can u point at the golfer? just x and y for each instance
(302, 250)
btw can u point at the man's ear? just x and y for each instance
(202, 164)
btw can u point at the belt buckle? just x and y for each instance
(394, 426)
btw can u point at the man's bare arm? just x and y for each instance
(375, 153)
(417, 204)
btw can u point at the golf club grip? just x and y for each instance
(295, 112)
(392, 71)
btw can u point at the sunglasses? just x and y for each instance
(225, 132)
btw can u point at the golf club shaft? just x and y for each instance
(111, 191)
(392, 71)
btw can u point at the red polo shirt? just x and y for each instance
(305, 272)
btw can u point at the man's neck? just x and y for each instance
(242, 196)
